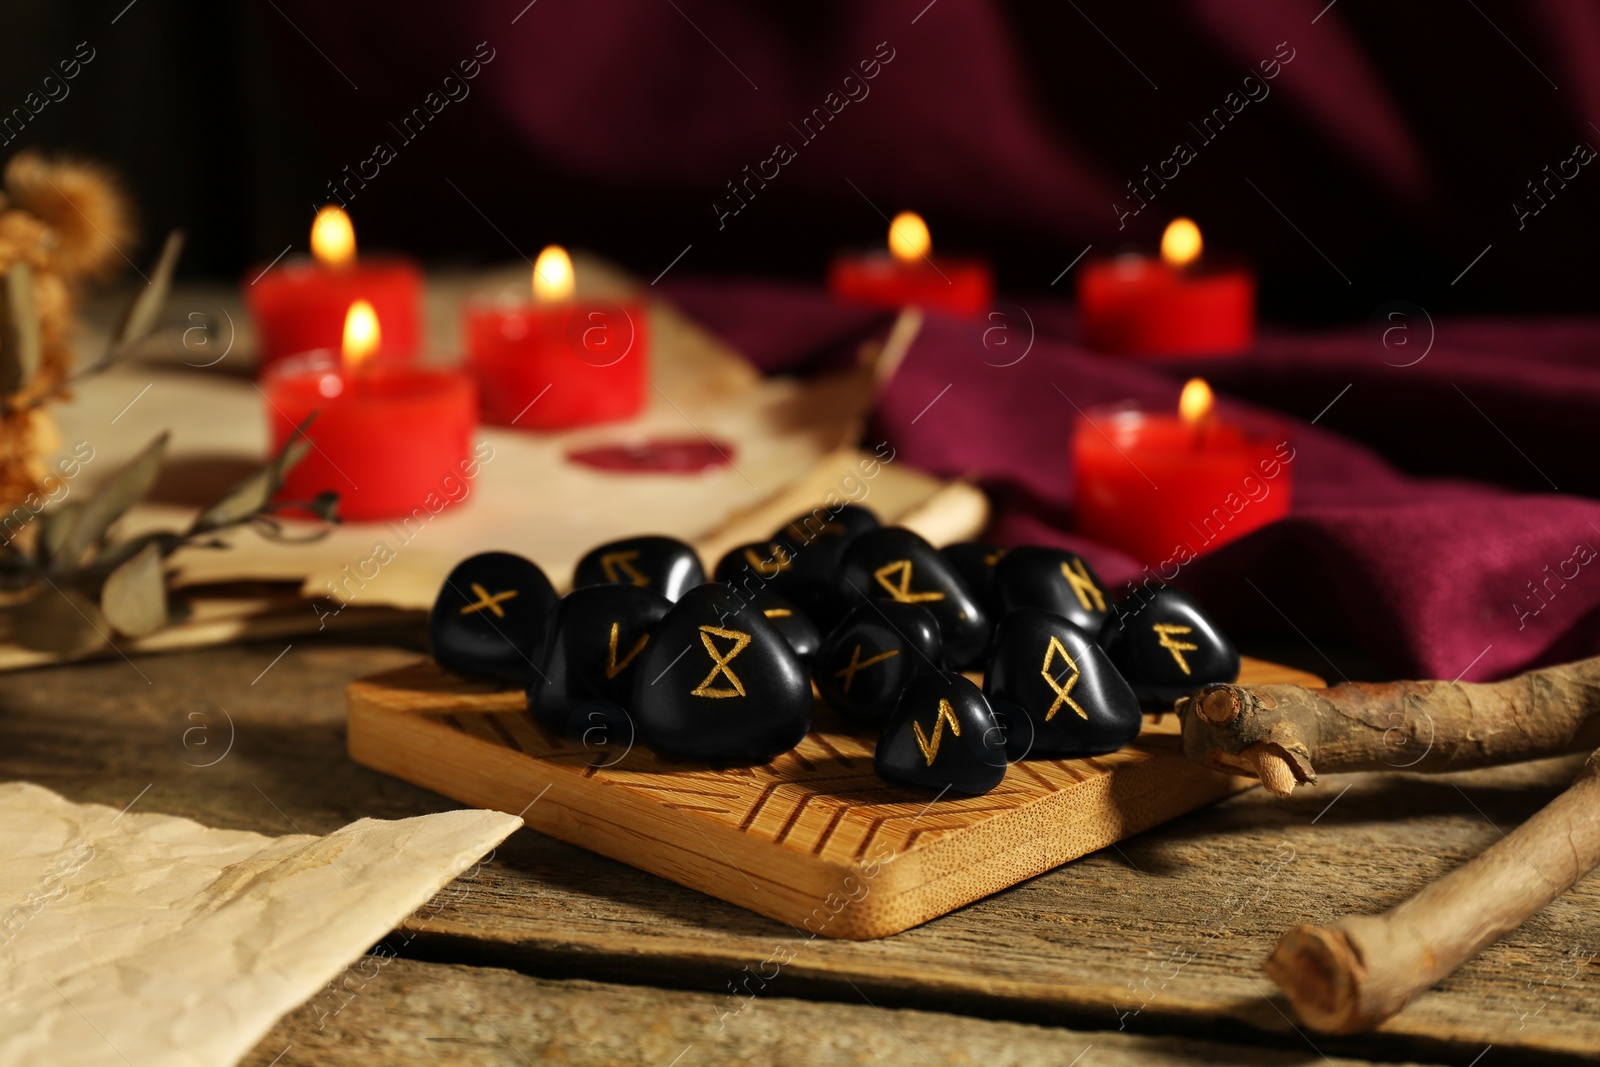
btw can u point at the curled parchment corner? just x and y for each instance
(155, 940)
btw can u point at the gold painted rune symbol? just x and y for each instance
(848, 673)
(902, 592)
(618, 567)
(930, 749)
(777, 613)
(720, 661)
(613, 668)
(1083, 585)
(1063, 691)
(487, 601)
(780, 561)
(1166, 631)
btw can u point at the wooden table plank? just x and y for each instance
(1167, 933)
(399, 1011)
(1079, 945)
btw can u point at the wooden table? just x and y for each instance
(1148, 953)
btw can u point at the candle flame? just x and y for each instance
(1194, 406)
(1181, 244)
(909, 240)
(361, 333)
(333, 239)
(552, 275)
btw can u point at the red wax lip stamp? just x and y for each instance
(684, 455)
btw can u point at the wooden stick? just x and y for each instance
(886, 360)
(1285, 735)
(1361, 970)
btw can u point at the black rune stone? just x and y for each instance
(817, 542)
(717, 682)
(662, 565)
(792, 624)
(1054, 580)
(762, 566)
(488, 620)
(836, 527)
(942, 737)
(867, 659)
(975, 561)
(592, 646)
(894, 564)
(1167, 648)
(1047, 673)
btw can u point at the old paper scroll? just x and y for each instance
(153, 940)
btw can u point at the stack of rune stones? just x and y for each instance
(721, 671)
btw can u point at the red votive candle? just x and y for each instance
(389, 437)
(908, 273)
(299, 305)
(1179, 304)
(557, 362)
(1166, 488)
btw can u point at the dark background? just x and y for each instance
(1386, 157)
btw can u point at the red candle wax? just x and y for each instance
(1136, 304)
(299, 306)
(547, 366)
(389, 438)
(945, 283)
(1164, 490)
(909, 273)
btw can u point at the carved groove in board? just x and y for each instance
(840, 810)
(1022, 767)
(680, 789)
(822, 743)
(500, 730)
(772, 787)
(1066, 765)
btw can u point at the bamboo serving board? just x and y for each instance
(813, 839)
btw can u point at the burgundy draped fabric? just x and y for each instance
(1360, 152)
(1438, 574)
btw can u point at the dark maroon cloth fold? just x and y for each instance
(1462, 572)
(1356, 153)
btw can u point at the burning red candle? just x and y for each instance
(1180, 304)
(910, 274)
(389, 437)
(299, 306)
(1167, 488)
(558, 362)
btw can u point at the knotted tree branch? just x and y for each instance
(1286, 735)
